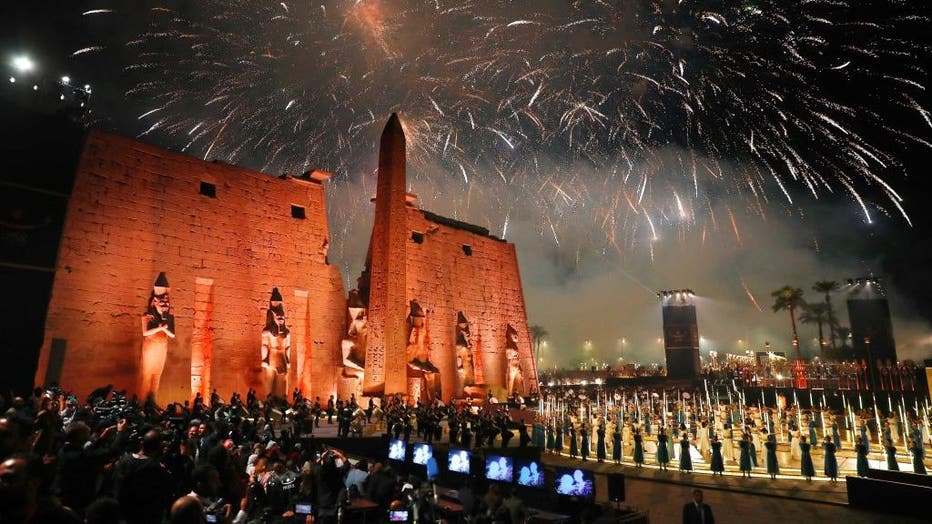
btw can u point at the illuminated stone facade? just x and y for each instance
(226, 236)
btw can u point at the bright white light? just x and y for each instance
(65, 79)
(35, 87)
(23, 64)
(61, 97)
(779, 376)
(87, 87)
(12, 80)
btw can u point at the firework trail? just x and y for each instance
(644, 115)
(750, 295)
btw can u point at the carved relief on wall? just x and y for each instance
(465, 366)
(158, 327)
(354, 343)
(514, 376)
(276, 344)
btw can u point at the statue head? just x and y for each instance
(416, 315)
(159, 303)
(275, 315)
(463, 337)
(511, 337)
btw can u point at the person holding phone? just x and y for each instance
(301, 505)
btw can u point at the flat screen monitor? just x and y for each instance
(398, 515)
(530, 473)
(396, 450)
(458, 460)
(422, 453)
(499, 468)
(574, 482)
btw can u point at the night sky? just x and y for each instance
(731, 147)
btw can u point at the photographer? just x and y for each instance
(80, 465)
(328, 476)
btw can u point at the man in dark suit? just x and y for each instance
(696, 512)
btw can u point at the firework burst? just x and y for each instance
(643, 115)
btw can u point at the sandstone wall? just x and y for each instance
(485, 285)
(137, 210)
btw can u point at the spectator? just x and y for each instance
(20, 499)
(80, 465)
(356, 477)
(142, 485)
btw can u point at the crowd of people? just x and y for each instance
(109, 459)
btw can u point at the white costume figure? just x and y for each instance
(158, 327)
(705, 446)
(795, 452)
(728, 445)
(276, 345)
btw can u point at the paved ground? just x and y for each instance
(664, 502)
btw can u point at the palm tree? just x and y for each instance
(816, 314)
(538, 335)
(827, 287)
(789, 298)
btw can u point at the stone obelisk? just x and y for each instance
(385, 353)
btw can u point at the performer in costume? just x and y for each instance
(807, 468)
(717, 465)
(830, 463)
(638, 456)
(861, 450)
(919, 466)
(744, 463)
(600, 443)
(617, 449)
(892, 464)
(686, 462)
(773, 467)
(663, 454)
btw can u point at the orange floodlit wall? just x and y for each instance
(224, 236)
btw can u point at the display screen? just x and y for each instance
(458, 460)
(398, 515)
(396, 449)
(303, 509)
(499, 468)
(574, 482)
(422, 453)
(530, 473)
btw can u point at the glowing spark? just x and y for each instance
(750, 295)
